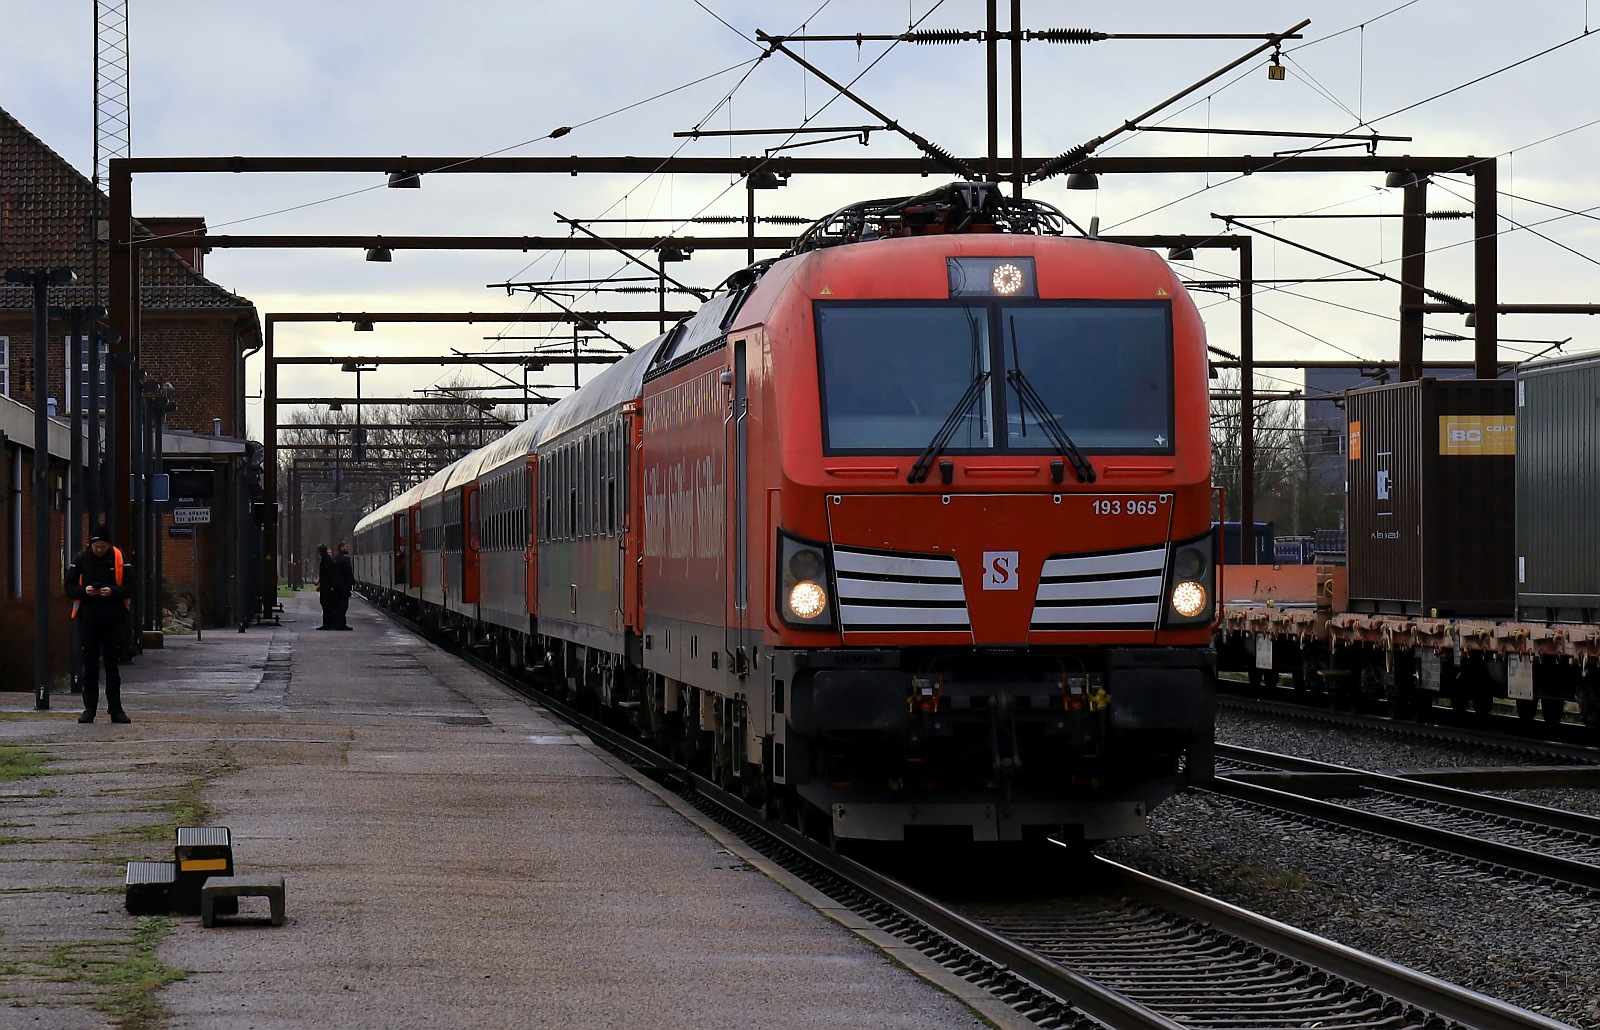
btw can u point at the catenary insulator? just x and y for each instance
(949, 160)
(940, 36)
(1061, 162)
(1068, 35)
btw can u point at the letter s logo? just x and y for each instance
(999, 570)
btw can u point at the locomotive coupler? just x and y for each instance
(1007, 754)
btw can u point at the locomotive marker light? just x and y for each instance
(992, 277)
(1007, 279)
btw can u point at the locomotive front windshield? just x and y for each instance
(892, 374)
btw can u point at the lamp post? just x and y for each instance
(666, 253)
(157, 397)
(762, 180)
(358, 432)
(41, 279)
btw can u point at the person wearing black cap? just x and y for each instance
(96, 582)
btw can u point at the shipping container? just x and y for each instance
(1261, 543)
(1327, 547)
(1558, 490)
(1291, 551)
(1430, 499)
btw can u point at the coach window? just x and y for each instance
(552, 498)
(572, 491)
(596, 475)
(547, 479)
(587, 499)
(602, 468)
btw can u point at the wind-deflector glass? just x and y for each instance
(893, 373)
(1103, 370)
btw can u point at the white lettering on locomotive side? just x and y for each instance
(684, 502)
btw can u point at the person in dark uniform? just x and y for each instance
(347, 583)
(96, 582)
(327, 587)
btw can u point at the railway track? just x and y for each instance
(1491, 738)
(1136, 954)
(1528, 840)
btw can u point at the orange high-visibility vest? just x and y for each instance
(117, 554)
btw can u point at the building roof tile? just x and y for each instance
(46, 212)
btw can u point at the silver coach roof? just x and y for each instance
(518, 443)
(390, 507)
(621, 382)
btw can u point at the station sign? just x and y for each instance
(191, 516)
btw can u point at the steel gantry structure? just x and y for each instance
(124, 283)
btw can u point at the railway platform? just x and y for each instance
(451, 858)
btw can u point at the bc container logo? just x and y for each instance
(1477, 434)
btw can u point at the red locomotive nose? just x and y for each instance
(998, 569)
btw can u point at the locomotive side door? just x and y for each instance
(737, 610)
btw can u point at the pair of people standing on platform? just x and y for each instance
(97, 583)
(336, 577)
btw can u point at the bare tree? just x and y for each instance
(1285, 493)
(334, 470)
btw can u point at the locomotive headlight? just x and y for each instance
(1007, 279)
(1189, 598)
(807, 600)
(1191, 583)
(803, 584)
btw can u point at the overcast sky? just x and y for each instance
(314, 78)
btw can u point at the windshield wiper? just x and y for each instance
(924, 462)
(1041, 414)
(1029, 398)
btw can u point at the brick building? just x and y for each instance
(194, 335)
(17, 501)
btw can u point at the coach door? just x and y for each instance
(531, 538)
(401, 542)
(471, 544)
(738, 474)
(414, 533)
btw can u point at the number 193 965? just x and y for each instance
(1129, 507)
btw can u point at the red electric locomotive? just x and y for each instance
(906, 533)
(927, 539)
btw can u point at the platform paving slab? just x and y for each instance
(451, 857)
